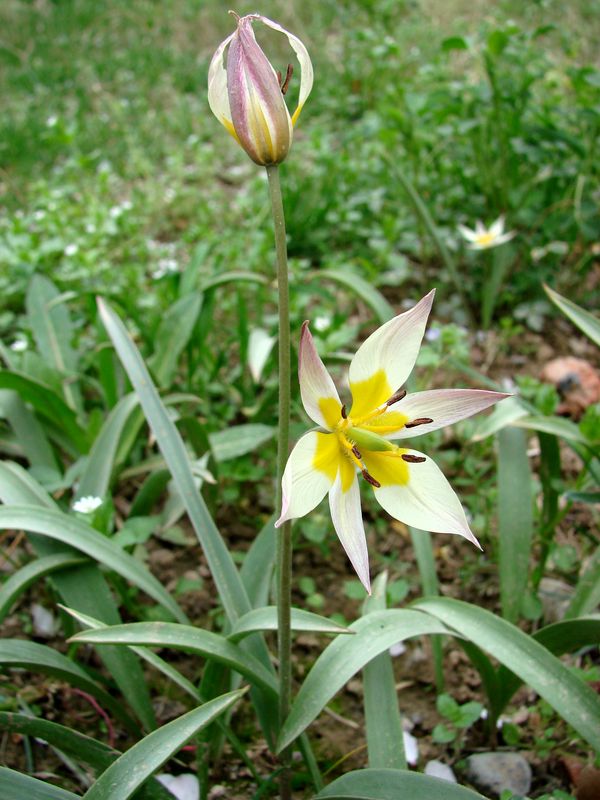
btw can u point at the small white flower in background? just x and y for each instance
(20, 343)
(87, 505)
(71, 249)
(115, 212)
(411, 748)
(51, 121)
(322, 323)
(166, 266)
(483, 238)
(183, 787)
(39, 214)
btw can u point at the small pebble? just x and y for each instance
(183, 787)
(498, 772)
(437, 769)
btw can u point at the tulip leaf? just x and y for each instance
(233, 276)
(364, 290)
(556, 426)
(392, 784)
(238, 440)
(257, 568)
(347, 655)
(587, 593)
(71, 531)
(184, 637)
(29, 433)
(129, 771)
(265, 619)
(172, 337)
(527, 658)
(586, 322)
(15, 786)
(383, 723)
(515, 519)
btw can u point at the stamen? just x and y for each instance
(399, 395)
(288, 77)
(410, 459)
(370, 479)
(356, 452)
(343, 412)
(419, 421)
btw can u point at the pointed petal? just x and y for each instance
(218, 99)
(443, 406)
(385, 360)
(348, 523)
(319, 395)
(309, 473)
(497, 227)
(505, 237)
(480, 228)
(306, 68)
(467, 233)
(425, 500)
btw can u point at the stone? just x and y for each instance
(498, 772)
(182, 787)
(437, 769)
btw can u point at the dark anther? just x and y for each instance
(288, 77)
(278, 76)
(370, 479)
(343, 412)
(412, 459)
(399, 395)
(419, 421)
(356, 452)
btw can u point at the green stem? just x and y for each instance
(284, 540)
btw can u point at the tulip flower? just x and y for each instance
(361, 441)
(246, 94)
(483, 238)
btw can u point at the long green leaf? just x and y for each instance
(394, 784)
(82, 537)
(135, 766)
(226, 577)
(233, 276)
(29, 432)
(346, 656)
(40, 658)
(528, 659)
(265, 619)
(556, 426)
(172, 337)
(423, 547)
(587, 593)
(383, 723)
(16, 786)
(25, 577)
(238, 440)
(586, 322)
(95, 480)
(364, 290)
(515, 519)
(184, 637)
(258, 565)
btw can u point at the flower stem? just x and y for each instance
(284, 540)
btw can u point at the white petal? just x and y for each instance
(467, 233)
(392, 348)
(303, 486)
(319, 395)
(306, 68)
(505, 237)
(497, 227)
(443, 406)
(348, 523)
(218, 98)
(426, 501)
(480, 228)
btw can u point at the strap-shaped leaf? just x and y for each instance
(184, 637)
(586, 322)
(346, 656)
(82, 537)
(394, 784)
(364, 290)
(16, 786)
(135, 766)
(172, 337)
(265, 619)
(527, 658)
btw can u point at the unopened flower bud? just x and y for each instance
(246, 94)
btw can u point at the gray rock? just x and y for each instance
(437, 769)
(496, 772)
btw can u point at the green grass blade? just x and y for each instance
(233, 276)
(40, 658)
(587, 593)
(95, 480)
(515, 519)
(421, 542)
(172, 337)
(586, 322)
(259, 563)
(383, 723)
(346, 656)
(527, 658)
(17, 487)
(29, 432)
(265, 619)
(82, 537)
(238, 440)
(393, 784)
(364, 290)
(16, 786)
(31, 573)
(224, 572)
(129, 772)
(185, 637)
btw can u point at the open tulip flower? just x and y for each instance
(483, 238)
(247, 95)
(360, 442)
